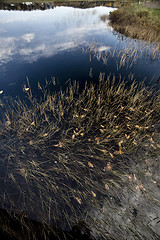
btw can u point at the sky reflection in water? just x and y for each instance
(32, 35)
(41, 44)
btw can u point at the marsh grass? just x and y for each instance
(61, 153)
(137, 22)
(123, 58)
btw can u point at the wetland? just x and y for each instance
(79, 126)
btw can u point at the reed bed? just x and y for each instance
(61, 153)
(123, 57)
(137, 21)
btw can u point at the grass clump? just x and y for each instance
(137, 21)
(61, 153)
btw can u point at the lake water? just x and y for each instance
(67, 43)
(62, 44)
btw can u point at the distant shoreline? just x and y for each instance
(43, 5)
(26, 5)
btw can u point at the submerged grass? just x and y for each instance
(61, 153)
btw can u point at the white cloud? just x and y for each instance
(103, 48)
(28, 51)
(34, 53)
(28, 37)
(7, 49)
(56, 30)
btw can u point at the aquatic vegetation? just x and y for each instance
(63, 153)
(103, 18)
(126, 57)
(85, 157)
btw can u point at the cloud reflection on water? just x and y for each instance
(28, 36)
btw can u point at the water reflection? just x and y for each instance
(48, 33)
(77, 44)
(41, 44)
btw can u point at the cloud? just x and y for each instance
(52, 31)
(103, 48)
(27, 51)
(2, 30)
(33, 54)
(7, 49)
(28, 37)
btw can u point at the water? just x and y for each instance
(57, 42)
(67, 43)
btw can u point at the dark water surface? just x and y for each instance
(66, 43)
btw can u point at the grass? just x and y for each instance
(137, 21)
(18, 226)
(123, 58)
(61, 153)
(78, 155)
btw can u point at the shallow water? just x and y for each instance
(66, 43)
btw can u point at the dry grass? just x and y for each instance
(61, 153)
(123, 58)
(137, 22)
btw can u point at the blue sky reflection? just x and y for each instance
(27, 36)
(66, 42)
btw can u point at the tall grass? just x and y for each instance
(123, 57)
(137, 22)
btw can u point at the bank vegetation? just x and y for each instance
(137, 21)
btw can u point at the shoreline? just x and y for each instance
(137, 21)
(44, 5)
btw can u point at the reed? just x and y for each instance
(61, 153)
(136, 21)
(123, 57)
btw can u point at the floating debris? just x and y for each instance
(93, 194)
(108, 167)
(26, 89)
(22, 170)
(78, 200)
(90, 165)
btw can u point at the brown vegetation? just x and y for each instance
(137, 22)
(59, 154)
